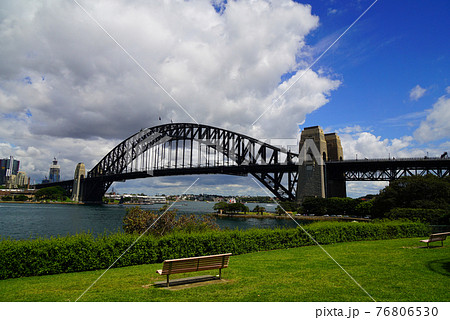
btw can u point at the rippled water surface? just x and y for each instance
(23, 221)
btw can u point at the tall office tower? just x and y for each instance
(8, 167)
(54, 171)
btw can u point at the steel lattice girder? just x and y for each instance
(386, 169)
(240, 152)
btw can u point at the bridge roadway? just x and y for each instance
(386, 169)
(348, 170)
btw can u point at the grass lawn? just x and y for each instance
(389, 270)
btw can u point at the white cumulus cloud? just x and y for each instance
(437, 123)
(68, 90)
(416, 93)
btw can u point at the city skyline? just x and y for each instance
(68, 89)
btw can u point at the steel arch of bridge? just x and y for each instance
(187, 148)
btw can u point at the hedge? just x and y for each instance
(431, 216)
(82, 252)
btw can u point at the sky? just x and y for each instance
(77, 77)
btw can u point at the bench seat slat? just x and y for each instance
(212, 265)
(164, 272)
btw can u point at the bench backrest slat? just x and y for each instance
(438, 237)
(196, 264)
(444, 234)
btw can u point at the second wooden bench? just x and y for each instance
(436, 237)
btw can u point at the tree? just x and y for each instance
(290, 206)
(341, 206)
(230, 207)
(427, 192)
(21, 197)
(259, 210)
(7, 198)
(316, 206)
(364, 208)
(221, 206)
(51, 193)
(279, 210)
(238, 207)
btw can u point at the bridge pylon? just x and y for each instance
(77, 190)
(315, 149)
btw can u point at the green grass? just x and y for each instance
(390, 270)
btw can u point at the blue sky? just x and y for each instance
(67, 89)
(394, 47)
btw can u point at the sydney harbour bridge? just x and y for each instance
(317, 169)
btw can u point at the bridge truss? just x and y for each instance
(186, 149)
(192, 149)
(386, 169)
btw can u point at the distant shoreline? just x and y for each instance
(310, 218)
(40, 202)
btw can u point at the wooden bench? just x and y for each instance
(436, 237)
(218, 261)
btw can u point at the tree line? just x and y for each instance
(423, 198)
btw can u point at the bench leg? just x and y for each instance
(167, 281)
(220, 273)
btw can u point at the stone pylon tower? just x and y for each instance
(315, 149)
(77, 190)
(335, 188)
(311, 170)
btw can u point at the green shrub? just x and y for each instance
(139, 221)
(431, 216)
(82, 252)
(21, 197)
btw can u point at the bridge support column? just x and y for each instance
(311, 171)
(315, 149)
(94, 190)
(335, 187)
(77, 190)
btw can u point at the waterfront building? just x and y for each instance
(8, 167)
(137, 198)
(54, 175)
(11, 181)
(21, 179)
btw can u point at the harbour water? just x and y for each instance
(32, 220)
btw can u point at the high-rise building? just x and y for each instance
(8, 168)
(54, 171)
